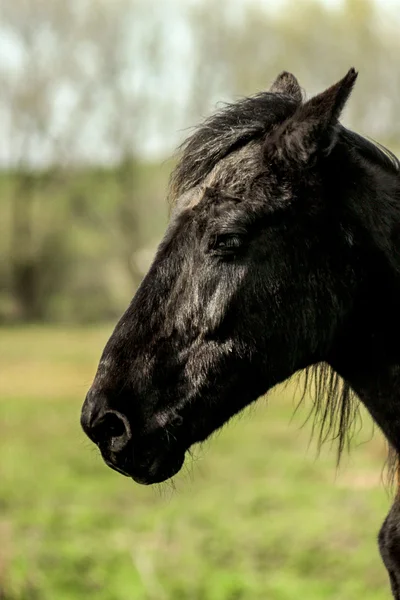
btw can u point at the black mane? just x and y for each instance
(371, 150)
(231, 128)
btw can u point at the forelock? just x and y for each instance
(230, 129)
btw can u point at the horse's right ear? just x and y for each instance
(313, 126)
(286, 83)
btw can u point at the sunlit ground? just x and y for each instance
(255, 516)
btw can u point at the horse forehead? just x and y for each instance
(189, 199)
(232, 175)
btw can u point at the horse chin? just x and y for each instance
(159, 469)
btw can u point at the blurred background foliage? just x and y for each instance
(95, 96)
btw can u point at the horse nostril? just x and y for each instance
(109, 426)
(112, 428)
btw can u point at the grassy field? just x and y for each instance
(255, 516)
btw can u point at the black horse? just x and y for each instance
(282, 253)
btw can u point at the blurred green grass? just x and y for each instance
(254, 516)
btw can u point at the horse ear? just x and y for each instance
(312, 127)
(286, 83)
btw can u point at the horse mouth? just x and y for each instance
(147, 472)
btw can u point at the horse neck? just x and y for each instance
(368, 352)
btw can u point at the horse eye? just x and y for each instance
(228, 242)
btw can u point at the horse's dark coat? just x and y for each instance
(282, 253)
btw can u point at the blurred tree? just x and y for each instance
(40, 49)
(70, 61)
(92, 88)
